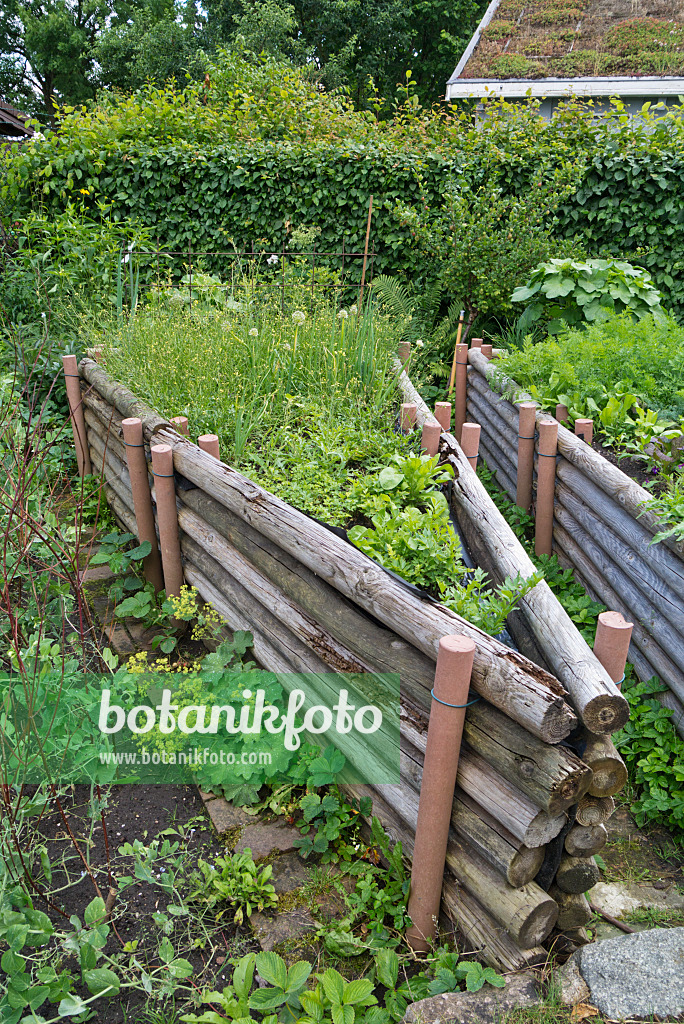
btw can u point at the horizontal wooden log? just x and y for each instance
(644, 653)
(527, 913)
(497, 429)
(609, 770)
(518, 687)
(594, 810)
(480, 931)
(609, 478)
(585, 841)
(109, 417)
(506, 471)
(517, 863)
(645, 580)
(629, 529)
(499, 797)
(597, 700)
(573, 556)
(665, 562)
(639, 606)
(573, 909)
(367, 639)
(120, 510)
(552, 776)
(121, 397)
(503, 479)
(577, 874)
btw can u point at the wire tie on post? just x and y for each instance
(446, 703)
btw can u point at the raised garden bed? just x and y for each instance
(315, 603)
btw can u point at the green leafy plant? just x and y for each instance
(237, 881)
(654, 754)
(568, 292)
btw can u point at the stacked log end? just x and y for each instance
(314, 604)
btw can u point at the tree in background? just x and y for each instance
(366, 46)
(61, 52)
(47, 47)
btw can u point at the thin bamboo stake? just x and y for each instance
(365, 252)
(458, 342)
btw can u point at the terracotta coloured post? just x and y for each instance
(404, 352)
(429, 440)
(470, 443)
(611, 644)
(180, 423)
(167, 518)
(73, 390)
(527, 422)
(450, 693)
(562, 413)
(487, 350)
(407, 416)
(461, 388)
(476, 342)
(443, 415)
(142, 498)
(546, 484)
(585, 430)
(209, 443)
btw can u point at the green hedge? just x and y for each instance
(630, 202)
(243, 196)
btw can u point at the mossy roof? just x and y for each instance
(565, 39)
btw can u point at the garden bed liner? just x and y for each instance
(315, 603)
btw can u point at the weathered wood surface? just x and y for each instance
(552, 776)
(585, 841)
(597, 700)
(611, 516)
(631, 597)
(644, 579)
(517, 863)
(121, 397)
(577, 874)
(646, 656)
(668, 566)
(609, 770)
(505, 678)
(573, 909)
(499, 797)
(594, 810)
(504, 479)
(628, 494)
(366, 638)
(481, 932)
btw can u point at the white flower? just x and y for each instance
(353, 310)
(342, 315)
(419, 343)
(253, 333)
(272, 259)
(287, 347)
(299, 316)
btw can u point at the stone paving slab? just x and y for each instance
(484, 1007)
(271, 931)
(226, 816)
(636, 975)
(264, 839)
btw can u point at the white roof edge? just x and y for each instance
(645, 85)
(468, 52)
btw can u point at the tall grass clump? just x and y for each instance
(303, 402)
